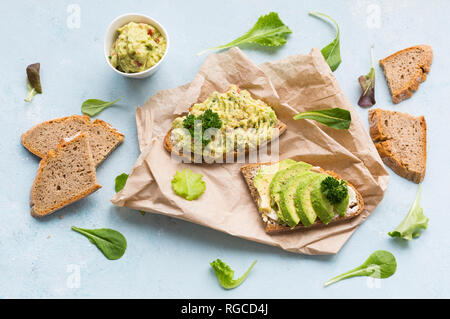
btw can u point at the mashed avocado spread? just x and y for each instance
(242, 122)
(138, 47)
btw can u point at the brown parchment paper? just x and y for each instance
(297, 83)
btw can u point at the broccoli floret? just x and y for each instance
(334, 190)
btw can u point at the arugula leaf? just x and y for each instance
(188, 184)
(225, 274)
(110, 242)
(269, 30)
(410, 227)
(92, 107)
(367, 83)
(120, 182)
(336, 117)
(33, 81)
(332, 52)
(380, 264)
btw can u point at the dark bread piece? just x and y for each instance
(65, 175)
(401, 141)
(44, 137)
(249, 172)
(406, 69)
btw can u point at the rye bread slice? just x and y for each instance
(249, 172)
(44, 137)
(401, 141)
(406, 69)
(65, 175)
(168, 145)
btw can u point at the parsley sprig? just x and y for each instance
(200, 124)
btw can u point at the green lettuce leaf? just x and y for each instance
(269, 30)
(188, 184)
(410, 227)
(225, 274)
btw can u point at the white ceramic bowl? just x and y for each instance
(111, 36)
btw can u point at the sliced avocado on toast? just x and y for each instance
(263, 179)
(280, 179)
(321, 205)
(287, 194)
(302, 199)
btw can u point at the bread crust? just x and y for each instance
(249, 172)
(168, 145)
(422, 68)
(52, 154)
(383, 145)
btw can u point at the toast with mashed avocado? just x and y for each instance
(294, 195)
(224, 126)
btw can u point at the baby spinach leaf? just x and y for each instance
(336, 117)
(120, 182)
(332, 52)
(410, 227)
(225, 274)
(188, 184)
(380, 264)
(269, 30)
(33, 81)
(110, 242)
(367, 83)
(92, 107)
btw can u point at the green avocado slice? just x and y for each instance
(262, 182)
(287, 206)
(280, 179)
(302, 200)
(321, 205)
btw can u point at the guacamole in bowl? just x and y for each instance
(138, 47)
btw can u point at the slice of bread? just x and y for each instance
(169, 146)
(44, 137)
(249, 172)
(66, 175)
(406, 69)
(401, 141)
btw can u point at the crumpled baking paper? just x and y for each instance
(294, 84)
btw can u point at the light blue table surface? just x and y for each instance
(168, 258)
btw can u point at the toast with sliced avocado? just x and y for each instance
(294, 195)
(224, 126)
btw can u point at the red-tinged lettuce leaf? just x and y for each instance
(367, 83)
